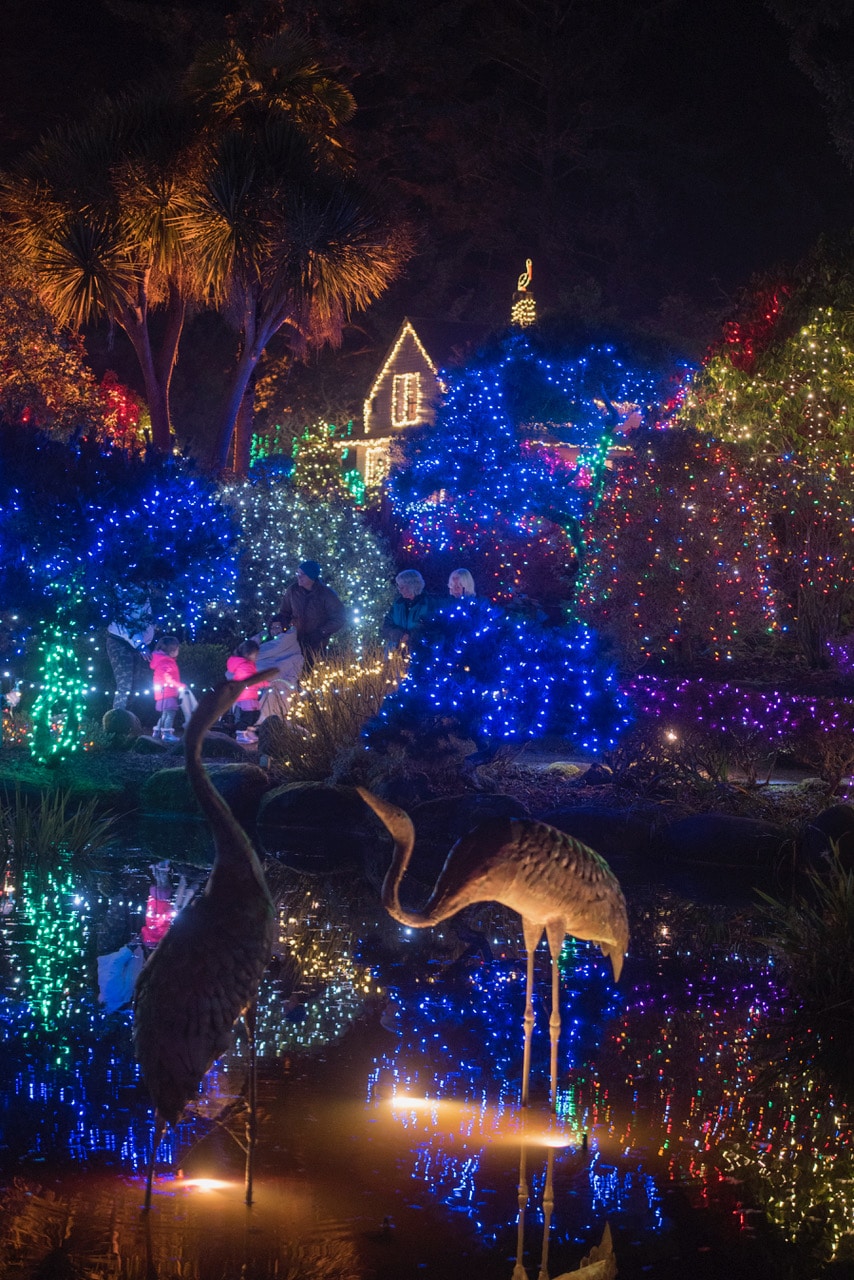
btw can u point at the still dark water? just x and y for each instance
(391, 1143)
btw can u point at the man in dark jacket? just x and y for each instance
(314, 610)
(408, 611)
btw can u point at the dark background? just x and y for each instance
(649, 157)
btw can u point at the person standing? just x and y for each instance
(128, 638)
(167, 686)
(314, 610)
(408, 611)
(461, 583)
(240, 666)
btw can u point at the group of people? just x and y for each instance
(309, 615)
(413, 606)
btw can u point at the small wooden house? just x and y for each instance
(408, 386)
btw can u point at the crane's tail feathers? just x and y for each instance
(398, 823)
(617, 955)
(216, 702)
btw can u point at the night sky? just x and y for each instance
(742, 174)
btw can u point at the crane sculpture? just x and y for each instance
(554, 882)
(204, 973)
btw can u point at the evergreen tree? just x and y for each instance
(513, 468)
(317, 464)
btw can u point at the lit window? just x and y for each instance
(376, 465)
(406, 399)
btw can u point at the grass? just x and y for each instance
(335, 701)
(37, 835)
(812, 940)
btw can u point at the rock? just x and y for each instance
(598, 775)
(439, 824)
(610, 832)
(834, 825)
(406, 790)
(219, 746)
(564, 769)
(723, 840)
(121, 724)
(316, 826)
(312, 804)
(240, 785)
(145, 746)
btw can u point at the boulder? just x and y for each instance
(240, 785)
(610, 832)
(121, 724)
(405, 790)
(220, 746)
(316, 826)
(145, 746)
(833, 826)
(439, 824)
(723, 840)
(312, 804)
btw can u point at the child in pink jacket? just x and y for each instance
(240, 665)
(167, 686)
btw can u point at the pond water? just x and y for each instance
(391, 1139)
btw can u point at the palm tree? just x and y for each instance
(283, 236)
(232, 82)
(94, 210)
(282, 239)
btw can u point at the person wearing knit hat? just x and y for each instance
(314, 610)
(310, 569)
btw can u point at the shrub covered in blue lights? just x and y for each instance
(80, 522)
(493, 464)
(479, 673)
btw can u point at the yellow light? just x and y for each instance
(205, 1185)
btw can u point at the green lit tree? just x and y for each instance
(317, 469)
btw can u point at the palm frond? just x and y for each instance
(84, 271)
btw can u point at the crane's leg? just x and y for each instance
(252, 1121)
(533, 932)
(548, 1210)
(159, 1126)
(519, 1272)
(555, 933)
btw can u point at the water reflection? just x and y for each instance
(392, 1143)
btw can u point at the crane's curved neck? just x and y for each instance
(399, 825)
(231, 844)
(391, 885)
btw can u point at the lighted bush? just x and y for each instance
(678, 556)
(476, 672)
(822, 737)
(717, 728)
(714, 728)
(281, 527)
(327, 717)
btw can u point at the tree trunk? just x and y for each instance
(156, 393)
(243, 429)
(167, 356)
(243, 375)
